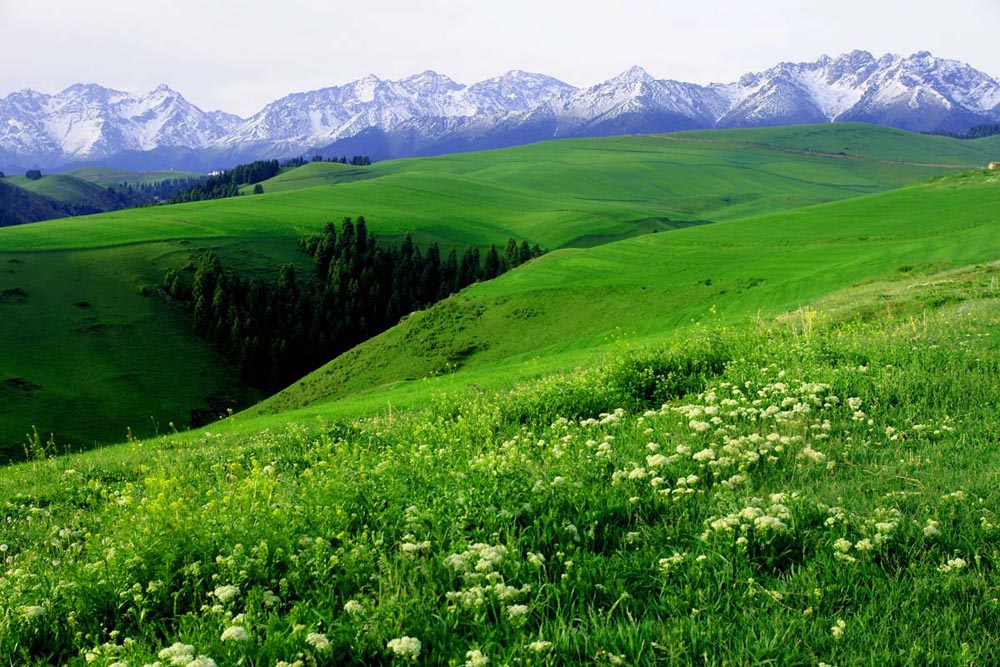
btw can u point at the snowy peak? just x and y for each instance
(429, 112)
(632, 76)
(87, 121)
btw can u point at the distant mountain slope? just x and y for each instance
(429, 113)
(18, 206)
(77, 196)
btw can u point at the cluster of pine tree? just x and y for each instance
(278, 333)
(227, 184)
(162, 190)
(355, 161)
(974, 132)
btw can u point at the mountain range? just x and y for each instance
(429, 113)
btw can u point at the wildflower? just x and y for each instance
(536, 559)
(226, 594)
(656, 460)
(517, 610)
(202, 661)
(666, 564)
(838, 629)
(178, 654)
(953, 564)
(411, 546)
(932, 528)
(32, 611)
(235, 633)
(475, 658)
(540, 646)
(405, 647)
(320, 642)
(706, 454)
(353, 607)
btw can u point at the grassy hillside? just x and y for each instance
(82, 196)
(315, 174)
(111, 177)
(818, 489)
(564, 194)
(18, 206)
(858, 141)
(571, 305)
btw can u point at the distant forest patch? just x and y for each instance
(277, 333)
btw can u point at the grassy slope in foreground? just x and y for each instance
(830, 497)
(569, 305)
(151, 371)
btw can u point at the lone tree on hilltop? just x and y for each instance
(33, 174)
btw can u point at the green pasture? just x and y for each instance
(575, 197)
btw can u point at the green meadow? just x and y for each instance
(816, 488)
(566, 196)
(742, 413)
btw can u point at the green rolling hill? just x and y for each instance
(769, 438)
(561, 195)
(78, 194)
(572, 306)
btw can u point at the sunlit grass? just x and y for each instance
(819, 489)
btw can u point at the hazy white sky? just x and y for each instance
(238, 56)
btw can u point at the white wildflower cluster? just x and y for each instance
(475, 658)
(410, 546)
(838, 629)
(732, 429)
(671, 562)
(226, 594)
(479, 566)
(952, 565)
(762, 518)
(884, 523)
(109, 651)
(235, 633)
(183, 655)
(407, 648)
(318, 641)
(479, 557)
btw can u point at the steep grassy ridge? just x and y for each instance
(569, 305)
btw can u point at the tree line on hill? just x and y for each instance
(164, 190)
(227, 183)
(974, 132)
(276, 333)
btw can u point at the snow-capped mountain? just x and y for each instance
(89, 121)
(429, 113)
(324, 116)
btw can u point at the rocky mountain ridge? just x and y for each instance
(429, 113)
